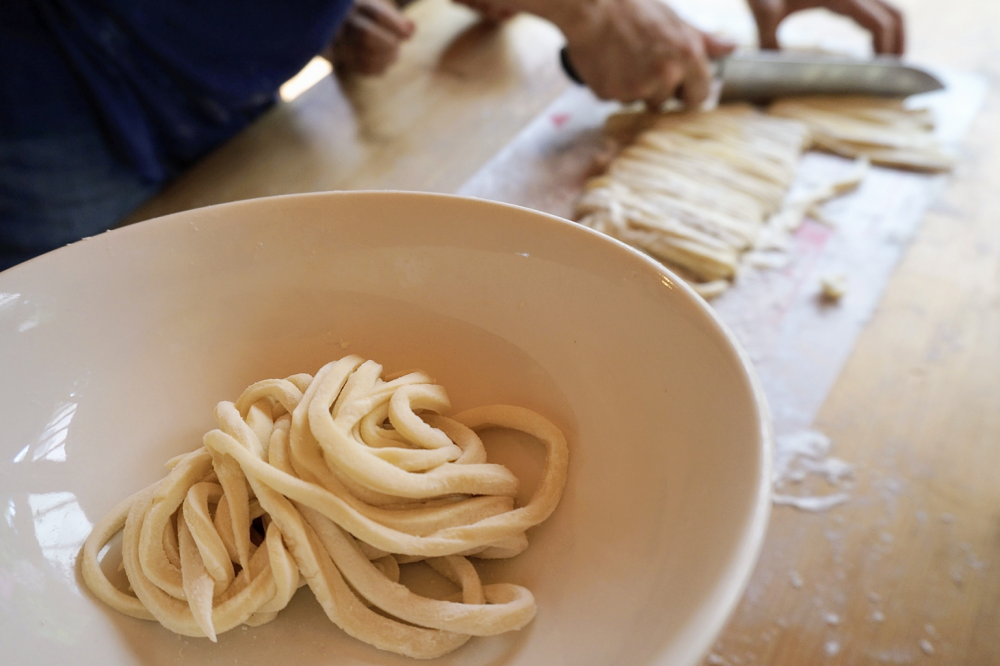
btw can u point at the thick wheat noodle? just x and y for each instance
(349, 454)
(278, 497)
(678, 185)
(433, 514)
(642, 213)
(655, 211)
(515, 611)
(339, 602)
(417, 519)
(439, 543)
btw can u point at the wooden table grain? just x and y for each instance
(906, 572)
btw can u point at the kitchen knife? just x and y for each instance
(762, 76)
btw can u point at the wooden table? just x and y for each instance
(908, 571)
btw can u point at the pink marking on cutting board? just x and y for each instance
(559, 119)
(809, 240)
(812, 234)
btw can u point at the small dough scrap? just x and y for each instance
(833, 287)
(885, 131)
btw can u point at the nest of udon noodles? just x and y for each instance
(333, 481)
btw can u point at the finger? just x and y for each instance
(655, 102)
(874, 18)
(697, 81)
(371, 36)
(652, 90)
(717, 47)
(376, 61)
(388, 17)
(368, 62)
(899, 25)
(696, 85)
(668, 84)
(768, 14)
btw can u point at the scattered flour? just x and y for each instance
(831, 618)
(800, 454)
(975, 563)
(926, 646)
(795, 579)
(832, 648)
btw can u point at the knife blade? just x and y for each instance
(763, 76)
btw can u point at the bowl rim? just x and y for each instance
(732, 584)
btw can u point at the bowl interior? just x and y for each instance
(115, 350)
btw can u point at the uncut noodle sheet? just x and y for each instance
(885, 131)
(707, 193)
(333, 481)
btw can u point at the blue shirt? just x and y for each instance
(166, 80)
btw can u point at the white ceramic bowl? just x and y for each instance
(114, 351)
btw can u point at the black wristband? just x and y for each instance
(568, 67)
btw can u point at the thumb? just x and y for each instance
(716, 47)
(768, 14)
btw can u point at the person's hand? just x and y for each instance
(884, 21)
(369, 38)
(631, 50)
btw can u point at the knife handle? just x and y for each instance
(716, 65)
